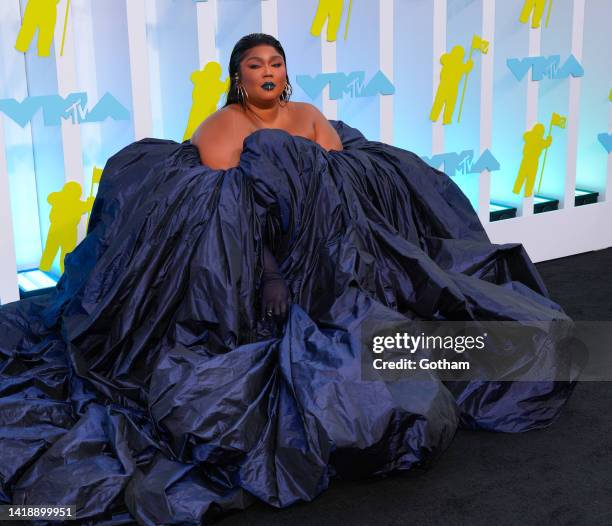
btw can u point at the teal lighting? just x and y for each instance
(585, 197)
(544, 204)
(498, 211)
(32, 282)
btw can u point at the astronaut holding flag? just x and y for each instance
(535, 144)
(560, 122)
(453, 70)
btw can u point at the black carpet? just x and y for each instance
(561, 475)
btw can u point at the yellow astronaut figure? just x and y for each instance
(330, 10)
(41, 15)
(207, 90)
(453, 69)
(535, 144)
(66, 211)
(535, 6)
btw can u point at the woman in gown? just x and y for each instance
(202, 348)
(258, 99)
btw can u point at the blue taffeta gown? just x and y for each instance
(146, 387)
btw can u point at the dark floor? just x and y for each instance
(558, 476)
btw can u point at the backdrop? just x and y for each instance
(511, 98)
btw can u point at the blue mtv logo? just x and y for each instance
(55, 108)
(352, 84)
(605, 140)
(545, 67)
(462, 163)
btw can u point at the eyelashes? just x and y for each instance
(255, 66)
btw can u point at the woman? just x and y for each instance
(147, 386)
(258, 98)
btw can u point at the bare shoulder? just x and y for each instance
(305, 109)
(313, 113)
(325, 134)
(219, 138)
(221, 119)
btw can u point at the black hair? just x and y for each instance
(242, 46)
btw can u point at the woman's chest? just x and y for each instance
(293, 123)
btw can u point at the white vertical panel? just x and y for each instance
(574, 107)
(328, 65)
(439, 48)
(386, 66)
(486, 106)
(207, 29)
(16, 145)
(8, 265)
(67, 83)
(533, 86)
(84, 34)
(85, 56)
(139, 68)
(269, 17)
(531, 116)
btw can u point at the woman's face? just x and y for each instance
(263, 74)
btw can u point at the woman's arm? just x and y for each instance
(325, 134)
(218, 149)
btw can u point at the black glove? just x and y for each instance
(274, 295)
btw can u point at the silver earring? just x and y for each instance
(243, 93)
(240, 91)
(287, 91)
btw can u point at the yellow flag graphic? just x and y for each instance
(480, 44)
(97, 175)
(558, 120)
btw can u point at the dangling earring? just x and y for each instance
(242, 95)
(287, 91)
(240, 91)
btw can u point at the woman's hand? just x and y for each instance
(274, 291)
(274, 295)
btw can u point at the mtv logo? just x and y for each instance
(352, 84)
(605, 140)
(461, 163)
(55, 108)
(545, 67)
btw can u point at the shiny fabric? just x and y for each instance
(147, 386)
